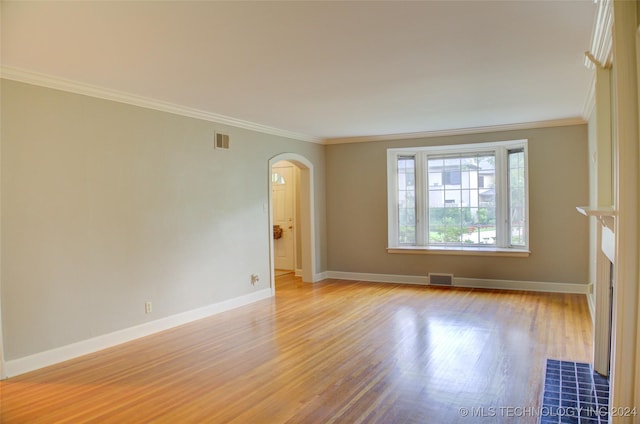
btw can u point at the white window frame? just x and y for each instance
(421, 154)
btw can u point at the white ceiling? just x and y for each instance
(322, 69)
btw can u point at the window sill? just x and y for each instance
(459, 251)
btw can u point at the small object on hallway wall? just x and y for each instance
(277, 232)
(255, 278)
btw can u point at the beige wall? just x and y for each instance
(559, 239)
(107, 205)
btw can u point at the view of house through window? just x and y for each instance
(464, 195)
(462, 200)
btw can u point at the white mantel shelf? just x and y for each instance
(597, 211)
(600, 212)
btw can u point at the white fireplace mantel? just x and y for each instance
(604, 214)
(603, 284)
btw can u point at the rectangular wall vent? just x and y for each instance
(440, 279)
(222, 141)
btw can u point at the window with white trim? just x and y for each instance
(459, 196)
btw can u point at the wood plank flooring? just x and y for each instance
(331, 352)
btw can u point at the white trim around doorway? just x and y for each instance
(306, 220)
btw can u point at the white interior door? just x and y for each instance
(283, 215)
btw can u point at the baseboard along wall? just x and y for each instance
(538, 286)
(39, 360)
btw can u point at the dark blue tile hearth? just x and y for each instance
(574, 393)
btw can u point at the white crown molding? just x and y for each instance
(461, 131)
(34, 78)
(601, 38)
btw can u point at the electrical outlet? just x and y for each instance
(147, 307)
(255, 278)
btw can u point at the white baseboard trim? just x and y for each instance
(43, 359)
(538, 286)
(377, 278)
(320, 276)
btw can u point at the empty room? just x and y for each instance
(319, 211)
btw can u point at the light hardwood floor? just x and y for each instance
(331, 352)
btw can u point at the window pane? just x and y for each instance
(451, 174)
(461, 199)
(517, 198)
(436, 198)
(469, 195)
(436, 217)
(406, 200)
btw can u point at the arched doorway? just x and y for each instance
(305, 218)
